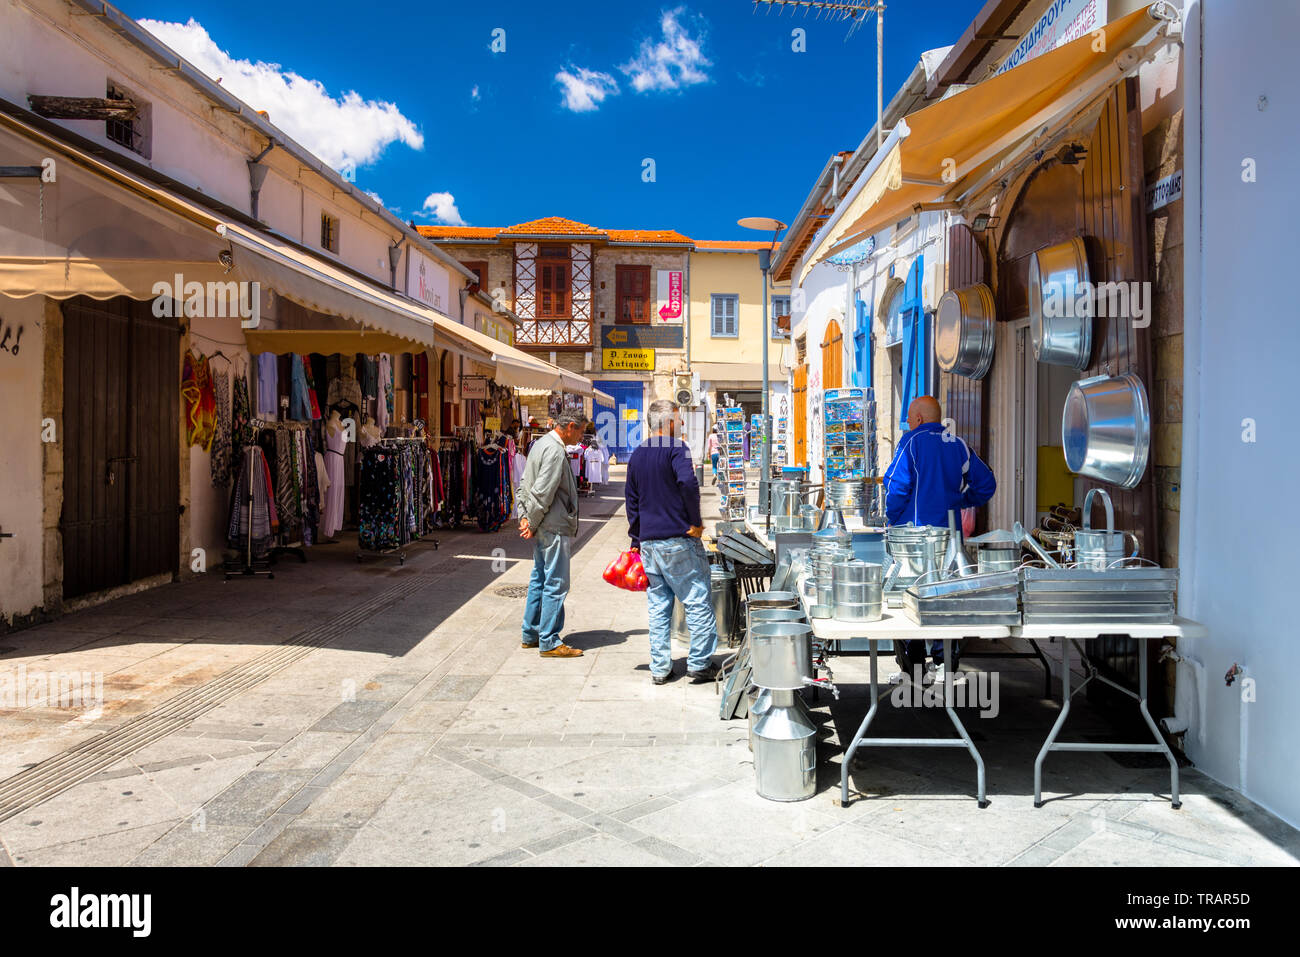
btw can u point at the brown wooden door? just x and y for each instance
(800, 415)
(833, 356)
(121, 397)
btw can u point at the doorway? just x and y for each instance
(121, 472)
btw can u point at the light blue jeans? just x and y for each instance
(679, 567)
(547, 588)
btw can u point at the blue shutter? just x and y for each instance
(916, 346)
(862, 346)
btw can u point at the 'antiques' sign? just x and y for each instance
(628, 360)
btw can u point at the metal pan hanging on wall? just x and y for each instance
(1106, 429)
(1061, 305)
(964, 331)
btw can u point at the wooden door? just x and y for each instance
(833, 356)
(800, 415)
(121, 395)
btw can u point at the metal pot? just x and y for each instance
(964, 331)
(758, 616)
(726, 602)
(772, 599)
(858, 601)
(781, 654)
(1106, 429)
(1099, 549)
(1060, 305)
(997, 557)
(785, 755)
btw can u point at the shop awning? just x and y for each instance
(327, 342)
(97, 230)
(935, 153)
(602, 399)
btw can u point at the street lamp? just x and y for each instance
(774, 226)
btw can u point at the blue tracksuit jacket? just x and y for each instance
(932, 473)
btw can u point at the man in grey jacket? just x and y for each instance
(548, 514)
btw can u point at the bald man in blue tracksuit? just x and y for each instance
(932, 471)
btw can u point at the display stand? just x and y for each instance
(251, 567)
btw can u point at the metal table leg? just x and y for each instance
(1051, 744)
(860, 738)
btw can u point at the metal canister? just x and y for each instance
(785, 755)
(780, 654)
(726, 602)
(762, 700)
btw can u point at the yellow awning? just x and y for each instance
(326, 342)
(934, 152)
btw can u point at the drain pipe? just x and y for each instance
(256, 177)
(1243, 724)
(1190, 691)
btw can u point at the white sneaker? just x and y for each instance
(937, 675)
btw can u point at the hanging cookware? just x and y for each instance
(1099, 549)
(964, 331)
(1106, 429)
(1061, 305)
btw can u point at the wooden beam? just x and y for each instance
(82, 108)
(20, 172)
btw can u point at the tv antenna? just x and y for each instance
(856, 13)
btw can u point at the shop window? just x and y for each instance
(632, 290)
(780, 317)
(329, 232)
(133, 133)
(726, 309)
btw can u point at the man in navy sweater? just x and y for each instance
(932, 472)
(663, 516)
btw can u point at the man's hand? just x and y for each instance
(697, 531)
(525, 530)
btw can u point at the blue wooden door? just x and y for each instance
(622, 426)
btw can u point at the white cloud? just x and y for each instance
(474, 94)
(585, 89)
(674, 61)
(442, 207)
(342, 131)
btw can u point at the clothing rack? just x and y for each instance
(293, 548)
(250, 566)
(403, 504)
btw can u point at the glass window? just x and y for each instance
(780, 311)
(726, 308)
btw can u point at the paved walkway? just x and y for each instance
(372, 713)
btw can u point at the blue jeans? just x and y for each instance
(678, 567)
(547, 588)
(915, 650)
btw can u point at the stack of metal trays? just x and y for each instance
(825, 554)
(742, 549)
(1062, 596)
(989, 599)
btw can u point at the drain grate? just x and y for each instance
(56, 774)
(511, 591)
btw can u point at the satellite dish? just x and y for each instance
(764, 223)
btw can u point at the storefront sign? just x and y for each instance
(670, 295)
(427, 282)
(492, 423)
(628, 360)
(1063, 21)
(1165, 190)
(473, 387)
(642, 336)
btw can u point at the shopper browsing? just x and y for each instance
(548, 515)
(663, 514)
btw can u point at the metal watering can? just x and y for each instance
(1100, 549)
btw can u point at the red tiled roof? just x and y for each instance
(647, 236)
(553, 225)
(735, 245)
(459, 232)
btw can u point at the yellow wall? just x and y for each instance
(736, 273)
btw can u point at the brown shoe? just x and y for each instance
(563, 651)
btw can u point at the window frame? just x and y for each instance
(620, 296)
(480, 268)
(545, 268)
(717, 298)
(773, 331)
(330, 227)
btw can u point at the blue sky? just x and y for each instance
(442, 128)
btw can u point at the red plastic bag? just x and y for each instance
(616, 571)
(636, 578)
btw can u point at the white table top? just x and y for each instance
(896, 624)
(1181, 628)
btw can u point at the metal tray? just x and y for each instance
(978, 602)
(963, 618)
(1119, 621)
(989, 581)
(1087, 578)
(1097, 596)
(1107, 611)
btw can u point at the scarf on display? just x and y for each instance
(222, 448)
(200, 401)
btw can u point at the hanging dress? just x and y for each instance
(200, 401)
(222, 446)
(336, 441)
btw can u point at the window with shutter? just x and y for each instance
(632, 284)
(726, 309)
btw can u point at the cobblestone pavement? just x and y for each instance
(375, 713)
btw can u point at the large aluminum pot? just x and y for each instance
(964, 331)
(772, 599)
(759, 615)
(780, 653)
(1106, 429)
(785, 755)
(1061, 305)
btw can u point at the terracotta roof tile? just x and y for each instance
(737, 245)
(459, 232)
(647, 236)
(553, 225)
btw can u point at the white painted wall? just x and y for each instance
(1242, 346)
(21, 458)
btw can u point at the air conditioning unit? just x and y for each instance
(686, 389)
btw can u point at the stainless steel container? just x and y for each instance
(781, 654)
(759, 615)
(854, 570)
(762, 700)
(1100, 549)
(964, 331)
(1106, 429)
(858, 601)
(997, 557)
(677, 627)
(785, 755)
(1061, 305)
(772, 599)
(726, 602)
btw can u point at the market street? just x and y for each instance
(365, 714)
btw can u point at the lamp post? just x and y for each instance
(765, 224)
